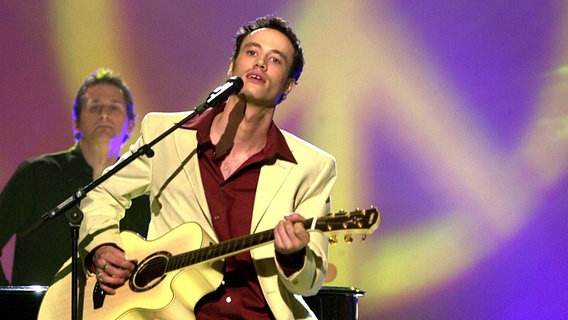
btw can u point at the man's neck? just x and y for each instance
(99, 155)
(239, 132)
(244, 125)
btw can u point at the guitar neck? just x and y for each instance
(358, 221)
(226, 248)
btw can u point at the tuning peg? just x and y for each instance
(348, 238)
(363, 237)
(333, 239)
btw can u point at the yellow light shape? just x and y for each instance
(88, 35)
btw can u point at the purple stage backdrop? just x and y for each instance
(449, 116)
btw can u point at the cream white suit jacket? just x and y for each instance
(172, 179)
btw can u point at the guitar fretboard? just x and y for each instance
(224, 249)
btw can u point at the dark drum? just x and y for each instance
(331, 303)
(20, 302)
(335, 303)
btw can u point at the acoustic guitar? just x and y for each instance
(158, 287)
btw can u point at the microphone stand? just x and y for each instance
(75, 215)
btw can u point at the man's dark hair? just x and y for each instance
(276, 23)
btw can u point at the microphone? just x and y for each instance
(232, 86)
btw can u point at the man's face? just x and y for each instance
(104, 116)
(263, 62)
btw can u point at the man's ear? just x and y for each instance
(289, 86)
(131, 125)
(76, 129)
(230, 71)
(76, 125)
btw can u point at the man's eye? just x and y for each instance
(275, 60)
(251, 52)
(94, 109)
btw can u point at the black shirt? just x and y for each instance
(38, 185)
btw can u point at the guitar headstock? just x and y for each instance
(354, 222)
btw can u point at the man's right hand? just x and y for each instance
(111, 267)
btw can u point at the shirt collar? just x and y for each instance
(77, 156)
(275, 144)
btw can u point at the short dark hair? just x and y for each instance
(276, 23)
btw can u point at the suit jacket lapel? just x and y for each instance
(271, 180)
(186, 144)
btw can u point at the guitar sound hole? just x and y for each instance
(149, 272)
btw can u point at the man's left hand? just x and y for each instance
(290, 236)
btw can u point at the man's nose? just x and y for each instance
(260, 63)
(105, 111)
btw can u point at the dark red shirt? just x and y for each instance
(231, 204)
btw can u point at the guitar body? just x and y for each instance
(172, 296)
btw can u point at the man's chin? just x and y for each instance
(105, 137)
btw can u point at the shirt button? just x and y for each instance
(228, 300)
(216, 218)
